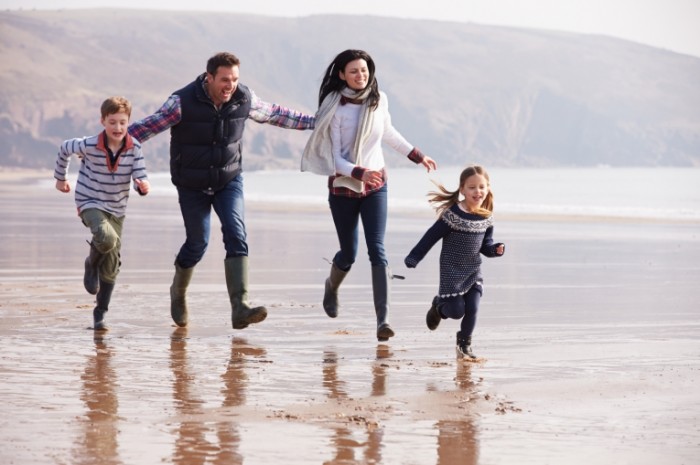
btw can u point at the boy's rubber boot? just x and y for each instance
(91, 278)
(178, 295)
(104, 295)
(432, 318)
(380, 289)
(330, 295)
(464, 347)
(242, 314)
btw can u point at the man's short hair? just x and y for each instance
(226, 59)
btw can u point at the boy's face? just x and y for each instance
(116, 125)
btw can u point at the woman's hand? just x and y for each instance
(372, 178)
(429, 163)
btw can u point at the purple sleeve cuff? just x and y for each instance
(358, 172)
(416, 156)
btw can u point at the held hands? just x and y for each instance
(63, 186)
(142, 187)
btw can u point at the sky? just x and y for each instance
(667, 24)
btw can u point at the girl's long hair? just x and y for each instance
(331, 79)
(444, 199)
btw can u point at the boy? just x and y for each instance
(109, 161)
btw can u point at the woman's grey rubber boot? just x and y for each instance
(330, 294)
(380, 290)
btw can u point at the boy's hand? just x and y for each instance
(142, 187)
(63, 186)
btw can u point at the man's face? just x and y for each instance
(222, 85)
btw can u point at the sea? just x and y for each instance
(604, 192)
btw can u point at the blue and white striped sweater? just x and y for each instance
(101, 185)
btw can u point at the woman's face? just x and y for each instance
(356, 74)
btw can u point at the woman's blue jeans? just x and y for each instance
(196, 206)
(347, 212)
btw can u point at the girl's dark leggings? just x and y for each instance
(462, 306)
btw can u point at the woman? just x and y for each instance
(352, 123)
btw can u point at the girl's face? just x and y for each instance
(474, 189)
(355, 74)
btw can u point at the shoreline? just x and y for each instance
(13, 176)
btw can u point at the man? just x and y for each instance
(206, 119)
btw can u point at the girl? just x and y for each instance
(466, 229)
(352, 123)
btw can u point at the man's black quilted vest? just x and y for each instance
(205, 147)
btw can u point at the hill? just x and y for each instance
(461, 92)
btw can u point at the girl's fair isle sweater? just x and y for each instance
(101, 183)
(464, 237)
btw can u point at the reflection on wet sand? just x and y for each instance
(346, 446)
(191, 445)
(598, 375)
(343, 440)
(99, 443)
(235, 385)
(457, 439)
(335, 387)
(379, 370)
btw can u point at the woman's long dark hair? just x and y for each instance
(331, 79)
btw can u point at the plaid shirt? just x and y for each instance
(170, 114)
(416, 156)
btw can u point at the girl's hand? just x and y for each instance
(500, 249)
(63, 186)
(372, 178)
(429, 163)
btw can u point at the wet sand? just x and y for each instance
(588, 332)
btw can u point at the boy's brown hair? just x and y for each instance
(115, 105)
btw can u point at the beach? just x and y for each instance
(588, 337)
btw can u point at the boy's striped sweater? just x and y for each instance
(102, 184)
